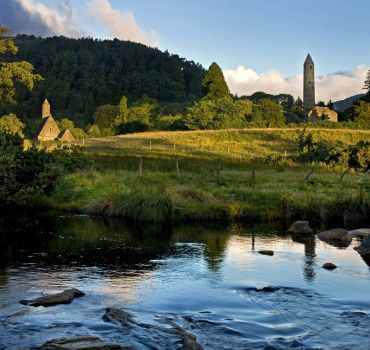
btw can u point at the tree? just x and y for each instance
(362, 114)
(105, 116)
(122, 111)
(11, 124)
(330, 104)
(218, 114)
(267, 113)
(298, 102)
(367, 82)
(214, 84)
(77, 133)
(321, 104)
(13, 73)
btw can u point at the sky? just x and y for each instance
(260, 45)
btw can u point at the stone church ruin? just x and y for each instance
(49, 130)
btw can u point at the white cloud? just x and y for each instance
(333, 86)
(57, 22)
(59, 17)
(120, 25)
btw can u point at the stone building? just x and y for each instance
(322, 113)
(66, 136)
(48, 129)
(308, 84)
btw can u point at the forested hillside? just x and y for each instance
(82, 74)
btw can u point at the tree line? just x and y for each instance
(102, 88)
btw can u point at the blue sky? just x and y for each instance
(260, 34)
(259, 44)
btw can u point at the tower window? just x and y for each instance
(310, 67)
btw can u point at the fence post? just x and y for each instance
(343, 175)
(141, 166)
(150, 145)
(363, 176)
(218, 168)
(253, 176)
(308, 175)
(177, 167)
(83, 142)
(228, 150)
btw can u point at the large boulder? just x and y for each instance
(360, 233)
(65, 297)
(364, 250)
(300, 228)
(337, 237)
(82, 343)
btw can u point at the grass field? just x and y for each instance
(244, 187)
(229, 145)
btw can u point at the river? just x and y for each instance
(204, 279)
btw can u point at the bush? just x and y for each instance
(133, 126)
(32, 170)
(356, 156)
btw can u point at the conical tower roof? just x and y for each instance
(308, 60)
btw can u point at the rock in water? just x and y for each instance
(300, 228)
(360, 233)
(364, 250)
(117, 316)
(65, 297)
(329, 266)
(82, 343)
(267, 289)
(337, 237)
(266, 252)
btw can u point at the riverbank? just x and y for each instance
(224, 175)
(263, 194)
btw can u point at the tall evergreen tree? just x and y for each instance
(214, 84)
(367, 83)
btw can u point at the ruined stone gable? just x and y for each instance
(49, 130)
(66, 136)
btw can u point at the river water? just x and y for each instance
(204, 279)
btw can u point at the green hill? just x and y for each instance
(81, 74)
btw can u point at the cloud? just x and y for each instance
(31, 17)
(333, 86)
(120, 25)
(45, 18)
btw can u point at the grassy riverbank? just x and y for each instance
(274, 193)
(244, 188)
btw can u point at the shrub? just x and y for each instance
(356, 156)
(32, 170)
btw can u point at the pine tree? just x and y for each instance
(214, 84)
(367, 82)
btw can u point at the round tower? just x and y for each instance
(46, 109)
(308, 84)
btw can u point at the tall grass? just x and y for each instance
(113, 186)
(275, 193)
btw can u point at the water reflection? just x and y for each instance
(199, 276)
(309, 265)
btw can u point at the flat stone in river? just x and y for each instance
(82, 343)
(65, 297)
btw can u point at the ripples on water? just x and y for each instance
(204, 279)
